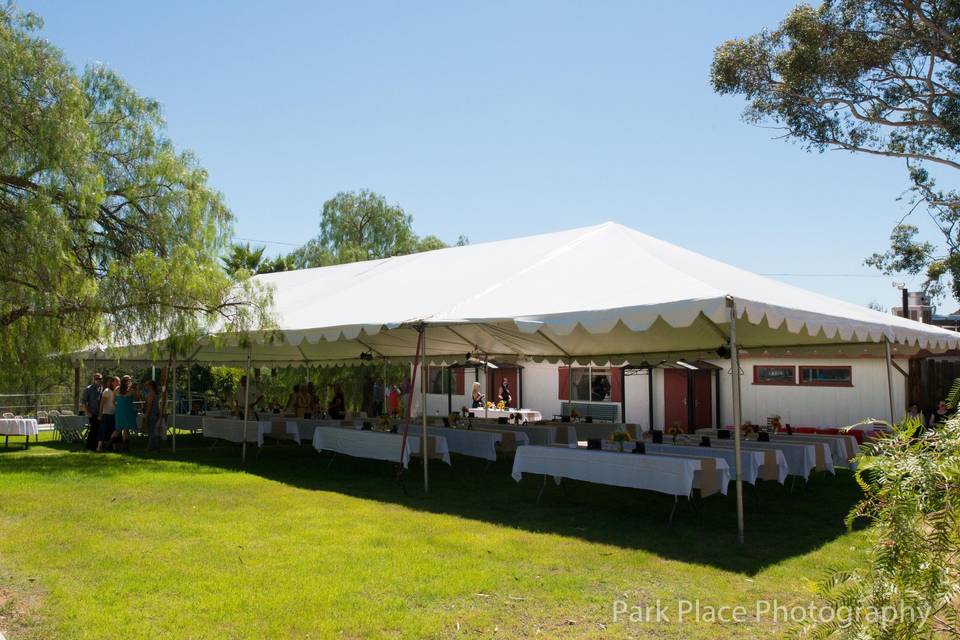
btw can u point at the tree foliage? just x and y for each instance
(357, 226)
(877, 77)
(911, 484)
(110, 232)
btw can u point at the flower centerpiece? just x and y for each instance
(384, 423)
(748, 429)
(454, 419)
(674, 430)
(465, 411)
(501, 406)
(774, 422)
(620, 437)
(574, 414)
(490, 405)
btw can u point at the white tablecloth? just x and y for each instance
(529, 415)
(799, 458)
(673, 476)
(186, 422)
(373, 444)
(837, 445)
(751, 461)
(18, 427)
(232, 430)
(520, 436)
(539, 434)
(473, 443)
(306, 426)
(290, 430)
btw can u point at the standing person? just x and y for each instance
(125, 415)
(476, 396)
(150, 414)
(91, 406)
(303, 402)
(313, 401)
(394, 401)
(106, 413)
(252, 397)
(378, 397)
(504, 395)
(338, 404)
(290, 408)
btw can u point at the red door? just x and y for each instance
(495, 377)
(703, 399)
(676, 399)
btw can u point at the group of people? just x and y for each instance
(503, 394)
(936, 416)
(109, 405)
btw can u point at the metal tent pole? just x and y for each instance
(246, 410)
(424, 370)
(886, 346)
(735, 383)
(173, 413)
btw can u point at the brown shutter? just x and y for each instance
(563, 384)
(616, 384)
(458, 377)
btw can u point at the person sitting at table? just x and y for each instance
(504, 395)
(940, 414)
(338, 404)
(477, 396)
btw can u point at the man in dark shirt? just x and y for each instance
(91, 405)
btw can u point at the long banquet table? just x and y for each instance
(663, 474)
(751, 462)
(843, 448)
(800, 458)
(232, 430)
(529, 415)
(25, 427)
(539, 434)
(376, 445)
(476, 443)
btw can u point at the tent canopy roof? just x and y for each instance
(605, 292)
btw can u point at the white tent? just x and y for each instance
(606, 293)
(598, 294)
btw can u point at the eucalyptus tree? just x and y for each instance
(874, 77)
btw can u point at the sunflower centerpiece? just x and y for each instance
(620, 437)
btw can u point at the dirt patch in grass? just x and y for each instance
(21, 600)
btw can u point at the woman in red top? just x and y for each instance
(394, 400)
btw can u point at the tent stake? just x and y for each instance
(737, 417)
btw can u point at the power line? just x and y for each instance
(280, 242)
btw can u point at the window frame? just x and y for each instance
(591, 371)
(774, 383)
(848, 368)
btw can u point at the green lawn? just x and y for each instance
(194, 545)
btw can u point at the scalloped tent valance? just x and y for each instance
(543, 298)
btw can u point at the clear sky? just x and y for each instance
(495, 120)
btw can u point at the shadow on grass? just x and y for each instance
(784, 523)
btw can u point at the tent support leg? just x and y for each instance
(246, 411)
(173, 412)
(886, 347)
(424, 438)
(737, 412)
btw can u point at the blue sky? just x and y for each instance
(495, 120)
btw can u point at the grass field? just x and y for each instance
(195, 545)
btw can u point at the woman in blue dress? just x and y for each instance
(126, 415)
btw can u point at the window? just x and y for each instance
(826, 376)
(438, 380)
(590, 384)
(766, 374)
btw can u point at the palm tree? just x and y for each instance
(242, 257)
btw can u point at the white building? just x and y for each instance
(803, 391)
